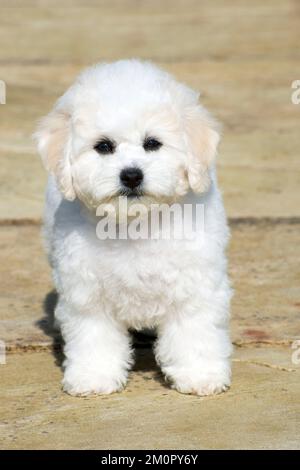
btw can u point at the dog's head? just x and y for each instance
(128, 129)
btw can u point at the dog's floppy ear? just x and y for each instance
(202, 136)
(54, 147)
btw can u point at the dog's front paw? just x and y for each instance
(80, 382)
(202, 382)
(202, 386)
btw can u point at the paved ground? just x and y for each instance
(260, 410)
(243, 56)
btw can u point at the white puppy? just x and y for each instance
(128, 130)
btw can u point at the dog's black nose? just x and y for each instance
(131, 177)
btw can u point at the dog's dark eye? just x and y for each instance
(105, 146)
(151, 144)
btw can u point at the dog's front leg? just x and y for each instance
(97, 351)
(194, 354)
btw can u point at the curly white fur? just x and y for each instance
(179, 287)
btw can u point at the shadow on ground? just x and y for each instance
(47, 325)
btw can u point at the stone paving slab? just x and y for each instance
(258, 162)
(261, 410)
(264, 266)
(243, 56)
(173, 30)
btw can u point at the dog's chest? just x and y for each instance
(143, 281)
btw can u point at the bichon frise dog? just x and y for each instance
(128, 131)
